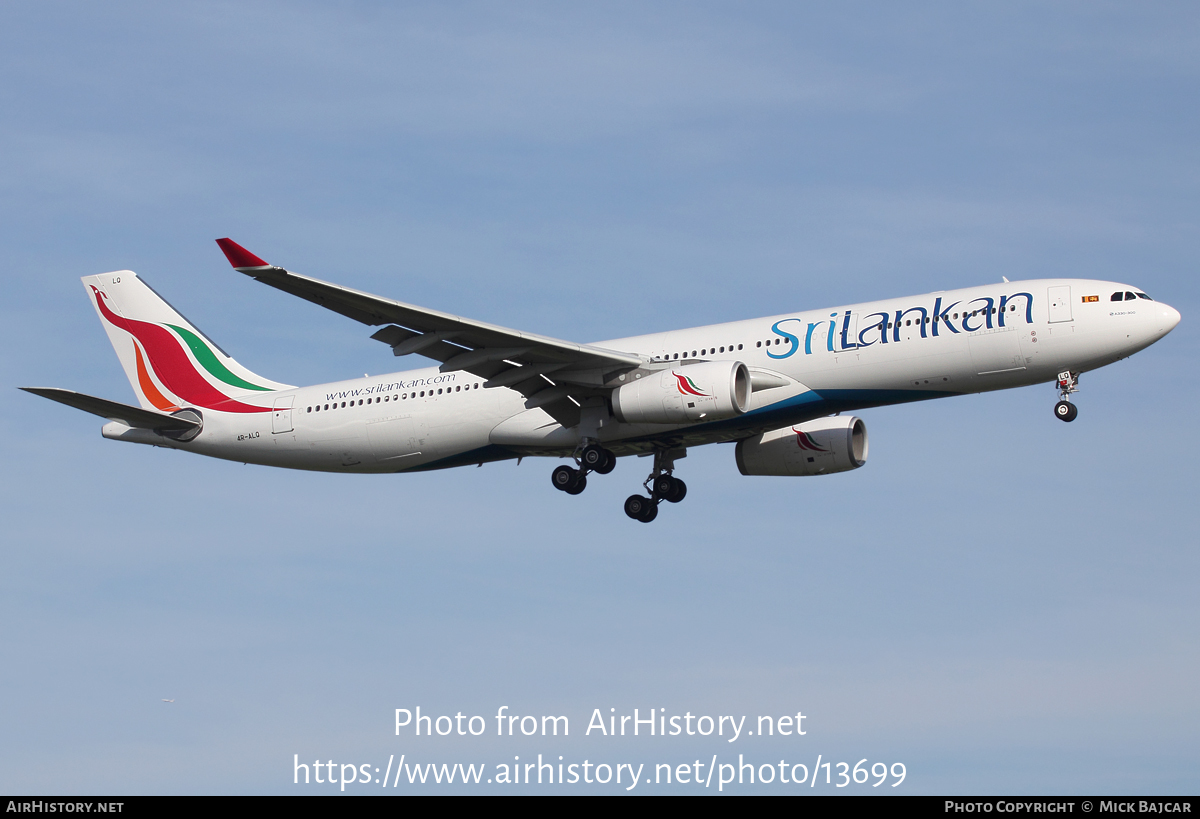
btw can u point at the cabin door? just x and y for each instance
(1059, 299)
(281, 415)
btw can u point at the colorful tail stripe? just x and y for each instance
(688, 387)
(171, 364)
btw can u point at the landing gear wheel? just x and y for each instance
(563, 477)
(669, 488)
(593, 457)
(1066, 411)
(638, 506)
(610, 463)
(578, 486)
(680, 491)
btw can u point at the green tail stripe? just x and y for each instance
(210, 362)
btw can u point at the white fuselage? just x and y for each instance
(806, 365)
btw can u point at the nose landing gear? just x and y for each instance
(1068, 382)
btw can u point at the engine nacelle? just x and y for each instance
(709, 391)
(818, 447)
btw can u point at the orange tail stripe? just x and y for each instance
(151, 392)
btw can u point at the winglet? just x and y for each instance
(238, 256)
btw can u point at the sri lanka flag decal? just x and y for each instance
(688, 387)
(805, 441)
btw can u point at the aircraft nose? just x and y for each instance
(1168, 318)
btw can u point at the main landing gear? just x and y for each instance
(593, 458)
(661, 485)
(1068, 382)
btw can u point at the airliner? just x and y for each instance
(781, 388)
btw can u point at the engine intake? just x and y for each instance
(819, 447)
(710, 391)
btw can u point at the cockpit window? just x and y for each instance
(1118, 296)
(1144, 296)
(1130, 296)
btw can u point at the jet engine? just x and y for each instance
(819, 447)
(709, 391)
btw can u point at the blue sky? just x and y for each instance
(1002, 602)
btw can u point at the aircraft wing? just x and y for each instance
(526, 362)
(130, 416)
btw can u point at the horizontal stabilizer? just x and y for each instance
(113, 411)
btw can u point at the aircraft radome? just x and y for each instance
(781, 387)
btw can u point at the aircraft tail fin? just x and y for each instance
(169, 362)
